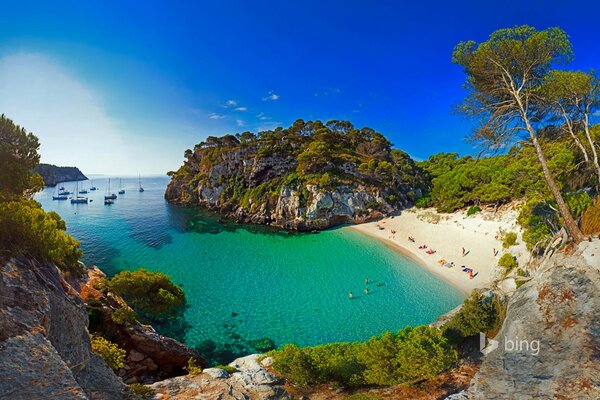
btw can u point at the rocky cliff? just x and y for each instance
(549, 344)
(45, 348)
(53, 175)
(308, 176)
(150, 356)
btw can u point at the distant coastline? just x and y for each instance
(53, 175)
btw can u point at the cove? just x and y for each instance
(244, 283)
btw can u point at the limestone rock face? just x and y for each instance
(45, 348)
(281, 204)
(549, 344)
(251, 381)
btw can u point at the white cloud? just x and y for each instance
(262, 116)
(230, 103)
(216, 116)
(68, 117)
(272, 96)
(240, 122)
(241, 109)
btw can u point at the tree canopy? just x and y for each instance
(504, 77)
(18, 157)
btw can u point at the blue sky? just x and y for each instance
(125, 87)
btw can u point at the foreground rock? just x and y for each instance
(252, 380)
(45, 348)
(549, 344)
(150, 356)
(53, 175)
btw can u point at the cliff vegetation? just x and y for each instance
(310, 175)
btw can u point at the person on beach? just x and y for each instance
(350, 295)
(463, 251)
(366, 290)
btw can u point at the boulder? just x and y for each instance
(251, 381)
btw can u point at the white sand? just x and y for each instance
(479, 234)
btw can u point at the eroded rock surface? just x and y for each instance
(45, 348)
(549, 344)
(252, 380)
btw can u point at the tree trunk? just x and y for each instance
(586, 126)
(574, 136)
(570, 222)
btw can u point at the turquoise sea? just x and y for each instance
(248, 282)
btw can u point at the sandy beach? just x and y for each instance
(447, 234)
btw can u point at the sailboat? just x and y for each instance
(82, 191)
(59, 196)
(78, 199)
(109, 197)
(121, 190)
(141, 189)
(62, 191)
(92, 187)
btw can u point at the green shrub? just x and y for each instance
(510, 239)
(109, 351)
(142, 392)
(28, 230)
(227, 368)
(411, 355)
(295, 364)
(193, 368)
(424, 202)
(508, 262)
(578, 202)
(147, 292)
(325, 180)
(124, 316)
(414, 354)
(477, 314)
(472, 210)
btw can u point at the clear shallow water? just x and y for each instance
(244, 283)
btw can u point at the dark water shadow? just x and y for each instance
(234, 346)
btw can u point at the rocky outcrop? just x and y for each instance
(150, 356)
(549, 344)
(249, 188)
(45, 348)
(53, 175)
(252, 380)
